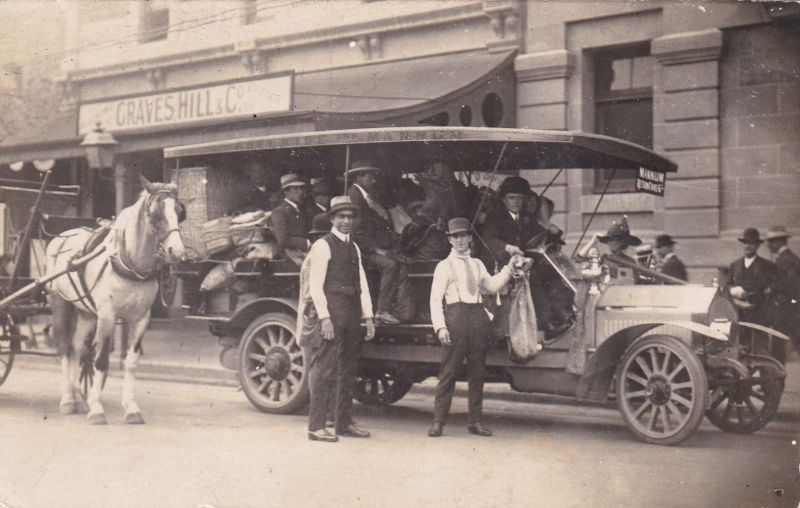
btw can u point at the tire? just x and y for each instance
(7, 354)
(743, 406)
(382, 389)
(662, 390)
(272, 367)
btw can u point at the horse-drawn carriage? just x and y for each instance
(669, 354)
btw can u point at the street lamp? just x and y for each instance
(99, 146)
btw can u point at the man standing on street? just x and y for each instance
(668, 262)
(461, 323)
(339, 292)
(289, 223)
(750, 280)
(784, 312)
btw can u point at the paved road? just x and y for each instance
(205, 446)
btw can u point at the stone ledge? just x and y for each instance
(687, 47)
(619, 203)
(545, 65)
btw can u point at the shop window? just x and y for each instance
(154, 22)
(623, 105)
(492, 110)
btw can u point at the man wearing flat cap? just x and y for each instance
(751, 278)
(376, 237)
(337, 287)
(784, 311)
(288, 220)
(668, 262)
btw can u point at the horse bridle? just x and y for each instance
(162, 236)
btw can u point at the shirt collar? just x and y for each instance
(669, 255)
(292, 204)
(513, 215)
(454, 254)
(341, 236)
(361, 190)
(781, 250)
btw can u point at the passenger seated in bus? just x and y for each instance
(288, 220)
(560, 297)
(375, 236)
(618, 239)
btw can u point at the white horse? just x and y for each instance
(120, 282)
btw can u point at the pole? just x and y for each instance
(594, 212)
(643, 269)
(551, 182)
(26, 234)
(346, 167)
(494, 172)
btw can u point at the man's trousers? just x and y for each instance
(468, 325)
(332, 366)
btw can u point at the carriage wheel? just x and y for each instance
(661, 390)
(6, 360)
(744, 406)
(272, 367)
(381, 389)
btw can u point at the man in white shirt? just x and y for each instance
(461, 323)
(339, 292)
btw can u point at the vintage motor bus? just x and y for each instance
(670, 354)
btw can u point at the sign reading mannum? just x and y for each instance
(239, 99)
(651, 182)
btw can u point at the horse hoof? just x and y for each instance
(97, 419)
(68, 408)
(82, 407)
(134, 418)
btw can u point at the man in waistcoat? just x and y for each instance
(339, 292)
(751, 280)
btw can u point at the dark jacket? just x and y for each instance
(784, 311)
(289, 227)
(755, 280)
(371, 231)
(674, 267)
(500, 229)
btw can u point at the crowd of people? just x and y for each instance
(370, 235)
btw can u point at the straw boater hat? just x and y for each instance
(340, 204)
(362, 166)
(664, 241)
(751, 235)
(320, 224)
(620, 231)
(777, 233)
(458, 225)
(291, 180)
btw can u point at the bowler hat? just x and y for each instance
(514, 185)
(622, 232)
(664, 241)
(777, 233)
(291, 180)
(341, 204)
(320, 224)
(458, 225)
(750, 235)
(362, 166)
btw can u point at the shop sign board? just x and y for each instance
(235, 100)
(651, 182)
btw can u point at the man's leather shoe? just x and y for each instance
(353, 431)
(322, 435)
(435, 430)
(479, 430)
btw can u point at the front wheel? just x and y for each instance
(744, 406)
(661, 390)
(272, 367)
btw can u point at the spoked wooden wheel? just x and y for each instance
(380, 389)
(272, 367)
(6, 359)
(661, 390)
(746, 405)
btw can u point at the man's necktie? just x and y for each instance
(472, 284)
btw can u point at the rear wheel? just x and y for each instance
(6, 360)
(744, 406)
(272, 367)
(661, 390)
(383, 389)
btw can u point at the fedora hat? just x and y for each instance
(320, 224)
(514, 185)
(458, 225)
(362, 166)
(341, 204)
(664, 241)
(777, 233)
(750, 235)
(291, 180)
(622, 232)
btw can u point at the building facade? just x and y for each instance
(713, 86)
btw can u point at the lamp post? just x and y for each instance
(99, 146)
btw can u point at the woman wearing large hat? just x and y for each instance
(618, 238)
